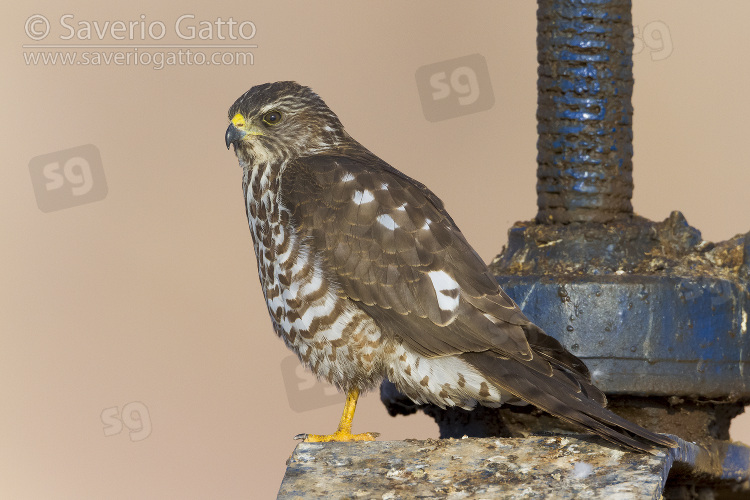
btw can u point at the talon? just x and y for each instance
(341, 436)
(344, 431)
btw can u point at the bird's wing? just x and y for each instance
(392, 247)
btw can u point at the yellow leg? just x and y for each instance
(344, 431)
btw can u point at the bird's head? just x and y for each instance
(281, 121)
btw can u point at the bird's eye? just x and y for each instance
(272, 118)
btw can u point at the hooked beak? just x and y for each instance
(238, 129)
(233, 135)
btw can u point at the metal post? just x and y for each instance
(659, 315)
(584, 115)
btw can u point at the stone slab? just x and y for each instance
(536, 467)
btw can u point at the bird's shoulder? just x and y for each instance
(370, 215)
(336, 177)
(392, 247)
(390, 244)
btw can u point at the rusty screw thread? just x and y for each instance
(584, 114)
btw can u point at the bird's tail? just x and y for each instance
(567, 395)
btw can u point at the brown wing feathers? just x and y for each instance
(383, 233)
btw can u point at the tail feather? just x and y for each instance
(566, 363)
(553, 394)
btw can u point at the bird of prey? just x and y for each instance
(366, 276)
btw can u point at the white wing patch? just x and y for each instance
(348, 177)
(362, 197)
(387, 221)
(446, 290)
(444, 381)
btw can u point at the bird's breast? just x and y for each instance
(325, 329)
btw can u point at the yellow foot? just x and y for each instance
(338, 436)
(344, 430)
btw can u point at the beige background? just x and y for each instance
(151, 295)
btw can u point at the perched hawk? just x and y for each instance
(366, 276)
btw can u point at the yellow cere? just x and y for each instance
(238, 120)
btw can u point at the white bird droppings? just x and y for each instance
(581, 470)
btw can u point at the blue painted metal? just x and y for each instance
(584, 111)
(713, 460)
(646, 335)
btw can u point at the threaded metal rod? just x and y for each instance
(584, 114)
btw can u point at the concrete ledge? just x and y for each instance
(557, 467)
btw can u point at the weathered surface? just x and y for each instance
(646, 335)
(650, 307)
(534, 467)
(635, 246)
(584, 115)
